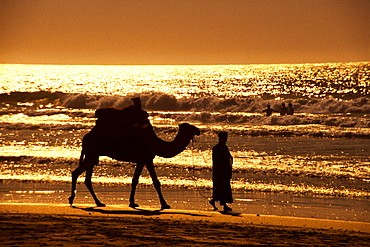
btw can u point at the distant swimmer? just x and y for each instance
(283, 110)
(290, 109)
(269, 111)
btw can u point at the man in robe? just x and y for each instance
(222, 173)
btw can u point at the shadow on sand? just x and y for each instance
(135, 211)
(230, 213)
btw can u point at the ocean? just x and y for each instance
(316, 160)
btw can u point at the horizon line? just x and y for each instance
(220, 64)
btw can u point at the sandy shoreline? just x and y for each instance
(281, 204)
(83, 225)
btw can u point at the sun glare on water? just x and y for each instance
(223, 81)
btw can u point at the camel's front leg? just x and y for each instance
(135, 182)
(157, 185)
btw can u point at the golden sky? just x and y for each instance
(184, 31)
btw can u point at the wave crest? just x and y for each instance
(164, 102)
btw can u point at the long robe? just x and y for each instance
(222, 173)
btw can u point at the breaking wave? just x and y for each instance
(164, 102)
(268, 129)
(350, 118)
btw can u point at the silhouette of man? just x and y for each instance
(269, 111)
(283, 110)
(290, 109)
(222, 173)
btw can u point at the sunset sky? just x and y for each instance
(184, 31)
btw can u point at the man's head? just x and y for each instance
(222, 137)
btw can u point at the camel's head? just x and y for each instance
(192, 130)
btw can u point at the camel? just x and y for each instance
(137, 149)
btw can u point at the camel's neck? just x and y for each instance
(170, 149)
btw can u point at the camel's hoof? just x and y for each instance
(70, 199)
(133, 205)
(227, 209)
(212, 202)
(166, 206)
(100, 204)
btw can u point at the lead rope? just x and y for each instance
(193, 166)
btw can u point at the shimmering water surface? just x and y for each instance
(321, 151)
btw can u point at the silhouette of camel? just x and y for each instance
(137, 149)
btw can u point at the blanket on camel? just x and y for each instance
(128, 121)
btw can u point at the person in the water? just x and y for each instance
(269, 110)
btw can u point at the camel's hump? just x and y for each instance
(128, 121)
(127, 112)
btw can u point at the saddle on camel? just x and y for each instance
(129, 121)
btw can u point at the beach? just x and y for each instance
(298, 180)
(82, 225)
(279, 204)
(111, 114)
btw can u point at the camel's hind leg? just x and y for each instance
(75, 174)
(88, 184)
(157, 185)
(86, 164)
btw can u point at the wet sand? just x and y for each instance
(280, 204)
(82, 225)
